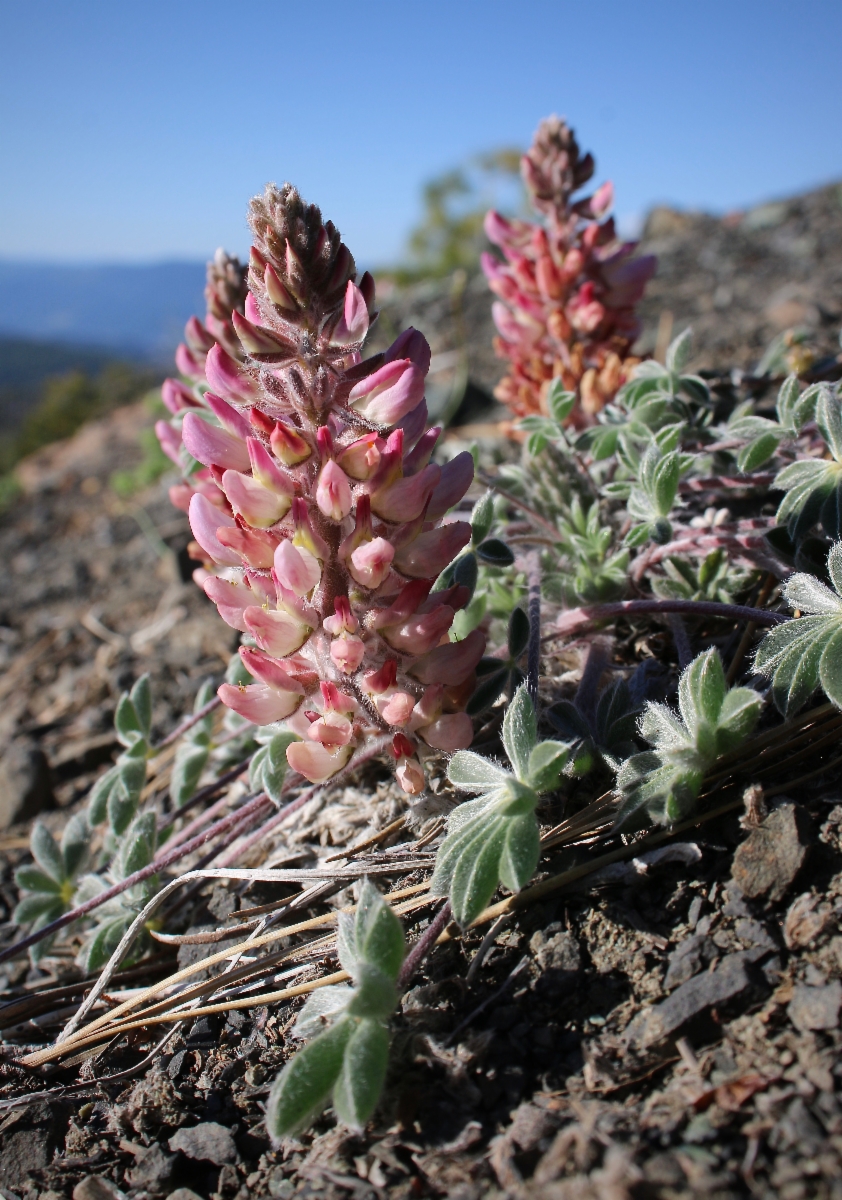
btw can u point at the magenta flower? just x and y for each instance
(314, 504)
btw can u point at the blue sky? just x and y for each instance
(137, 132)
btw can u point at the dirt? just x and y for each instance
(668, 1028)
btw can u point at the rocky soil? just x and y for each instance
(668, 1027)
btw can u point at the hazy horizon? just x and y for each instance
(127, 135)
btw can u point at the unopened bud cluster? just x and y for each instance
(314, 504)
(568, 286)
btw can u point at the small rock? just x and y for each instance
(815, 1007)
(183, 1194)
(755, 933)
(768, 861)
(28, 1138)
(207, 1142)
(732, 984)
(687, 959)
(95, 1187)
(25, 785)
(804, 921)
(557, 953)
(152, 1170)
(530, 1124)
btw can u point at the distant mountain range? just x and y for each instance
(130, 311)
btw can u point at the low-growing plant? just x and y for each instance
(495, 839)
(802, 655)
(346, 1028)
(711, 720)
(48, 889)
(116, 794)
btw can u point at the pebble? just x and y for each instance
(732, 981)
(815, 1007)
(768, 861)
(95, 1187)
(208, 1142)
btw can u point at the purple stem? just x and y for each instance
(683, 648)
(377, 747)
(204, 793)
(578, 619)
(188, 723)
(424, 945)
(533, 655)
(153, 868)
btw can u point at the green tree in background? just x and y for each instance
(450, 235)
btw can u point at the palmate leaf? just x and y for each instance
(495, 839)
(804, 654)
(348, 1058)
(304, 1086)
(665, 781)
(814, 486)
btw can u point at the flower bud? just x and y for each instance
(277, 631)
(265, 469)
(170, 441)
(176, 396)
(276, 291)
(353, 324)
(344, 621)
(305, 535)
(434, 550)
(259, 703)
(288, 446)
(377, 682)
(333, 492)
(315, 761)
(259, 506)
(211, 445)
(259, 341)
(197, 337)
(205, 521)
(226, 376)
(388, 394)
(189, 364)
(261, 421)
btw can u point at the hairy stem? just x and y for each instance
(579, 619)
(424, 945)
(188, 723)
(153, 868)
(533, 655)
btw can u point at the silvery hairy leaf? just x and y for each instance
(806, 653)
(520, 731)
